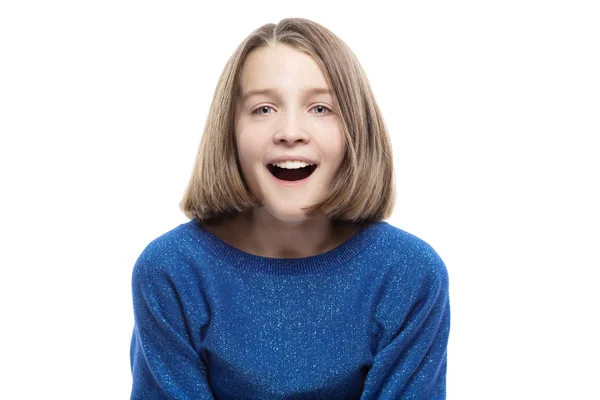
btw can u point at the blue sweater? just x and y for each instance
(367, 320)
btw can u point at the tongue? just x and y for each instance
(292, 174)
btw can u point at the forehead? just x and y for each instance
(280, 66)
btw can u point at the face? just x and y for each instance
(288, 131)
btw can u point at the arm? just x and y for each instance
(164, 363)
(410, 362)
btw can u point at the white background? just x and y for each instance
(494, 113)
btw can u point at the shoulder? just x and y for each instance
(409, 258)
(166, 254)
(413, 279)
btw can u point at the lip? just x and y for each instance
(292, 158)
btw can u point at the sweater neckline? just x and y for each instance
(329, 260)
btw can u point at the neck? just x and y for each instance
(257, 232)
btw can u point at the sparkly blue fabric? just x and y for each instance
(367, 320)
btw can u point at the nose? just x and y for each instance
(291, 131)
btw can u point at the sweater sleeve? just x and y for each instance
(164, 363)
(410, 362)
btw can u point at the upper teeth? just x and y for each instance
(292, 164)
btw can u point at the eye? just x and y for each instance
(263, 110)
(322, 110)
(259, 110)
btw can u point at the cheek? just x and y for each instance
(253, 141)
(249, 155)
(335, 148)
(246, 148)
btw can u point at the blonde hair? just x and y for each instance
(362, 191)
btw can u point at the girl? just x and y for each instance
(287, 283)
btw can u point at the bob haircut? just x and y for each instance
(363, 188)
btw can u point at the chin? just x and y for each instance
(287, 215)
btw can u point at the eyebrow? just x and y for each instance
(309, 91)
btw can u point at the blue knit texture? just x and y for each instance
(369, 319)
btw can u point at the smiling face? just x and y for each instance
(288, 131)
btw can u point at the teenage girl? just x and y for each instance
(287, 283)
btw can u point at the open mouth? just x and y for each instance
(291, 174)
